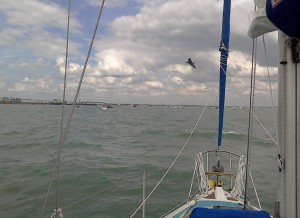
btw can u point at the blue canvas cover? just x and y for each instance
(227, 213)
(285, 14)
(224, 49)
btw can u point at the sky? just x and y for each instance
(139, 53)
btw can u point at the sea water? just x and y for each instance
(106, 153)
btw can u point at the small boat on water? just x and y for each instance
(104, 107)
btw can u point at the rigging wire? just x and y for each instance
(63, 105)
(270, 86)
(276, 128)
(235, 89)
(275, 141)
(83, 199)
(179, 153)
(74, 104)
(250, 129)
(255, 191)
(62, 119)
(237, 92)
(253, 114)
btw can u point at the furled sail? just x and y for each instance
(275, 14)
(224, 49)
(259, 22)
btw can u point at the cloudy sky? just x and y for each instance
(139, 54)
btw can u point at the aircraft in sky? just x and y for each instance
(190, 62)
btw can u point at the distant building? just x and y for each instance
(32, 101)
(5, 100)
(11, 100)
(27, 101)
(92, 103)
(16, 100)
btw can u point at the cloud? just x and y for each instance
(110, 4)
(137, 53)
(32, 85)
(42, 33)
(2, 85)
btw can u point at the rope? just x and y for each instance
(254, 187)
(62, 119)
(239, 186)
(177, 156)
(73, 107)
(63, 106)
(57, 212)
(83, 199)
(191, 186)
(270, 86)
(204, 184)
(252, 91)
(86, 198)
(278, 148)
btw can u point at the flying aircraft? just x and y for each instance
(190, 62)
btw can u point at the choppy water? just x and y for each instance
(109, 150)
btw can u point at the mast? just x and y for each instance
(288, 127)
(285, 16)
(224, 49)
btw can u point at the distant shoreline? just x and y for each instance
(48, 103)
(129, 104)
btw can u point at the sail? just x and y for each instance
(224, 49)
(259, 22)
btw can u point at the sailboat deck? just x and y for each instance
(212, 196)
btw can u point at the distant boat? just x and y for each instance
(56, 102)
(178, 106)
(104, 107)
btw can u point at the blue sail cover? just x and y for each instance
(227, 213)
(285, 15)
(224, 49)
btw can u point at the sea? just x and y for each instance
(107, 152)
